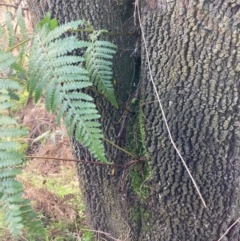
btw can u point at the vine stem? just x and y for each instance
(85, 30)
(162, 111)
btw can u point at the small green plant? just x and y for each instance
(87, 236)
(45, 63)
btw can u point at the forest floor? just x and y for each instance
(51, 185)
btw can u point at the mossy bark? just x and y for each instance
(194, 55)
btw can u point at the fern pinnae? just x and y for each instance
(10, 146)
(80, 96)
(62, 29)
(56, 100)
(11, 159)
(24, 36)
(6, 60)
(10, 30)
(98, 62)
(50, 93)
(7, 84)
(65, 60)
(22, 24)
(10, 173)
(60, 76)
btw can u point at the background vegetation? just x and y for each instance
(51, 185)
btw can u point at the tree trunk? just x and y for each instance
(194, 59)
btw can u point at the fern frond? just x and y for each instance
(59, 31)
(99, 64)
(6, 60)
(8, 84)
(22, 24)
(9, 146)
(23, 37)
(17, 211)
(3, 42)
(10, 30)
(60, 76)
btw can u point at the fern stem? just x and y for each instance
(105, 32)
(118, 147)
(19, 44)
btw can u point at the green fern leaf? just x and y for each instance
(19, 67)
(11, 173)
(98, 62)
(11, 191)
(6, 60)
(9, 146)
(10, 30)
(47, 21)
(9, 85)
(59, 31)
(60, 76)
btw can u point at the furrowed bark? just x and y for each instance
(194, 57)
(194, 51)
(104, 189)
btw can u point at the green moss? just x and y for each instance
(140, 172)
(142, 218)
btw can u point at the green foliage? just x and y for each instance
(17, 211)
(61, 77)
(48, 22)
(50, 70)
(141, 172)
(98, 62)
(87, 236)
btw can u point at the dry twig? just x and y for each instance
(229, 229)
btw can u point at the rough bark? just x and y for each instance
(194, 57)
(105, 189)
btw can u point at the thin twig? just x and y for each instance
(19, 44)
(106, 32)
(98, 231)
(229, 229)
(11, 6)
(127, 164)
(73, 160)
(163, 113)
